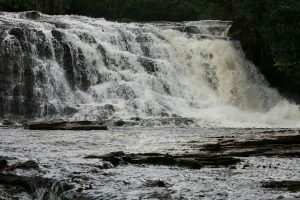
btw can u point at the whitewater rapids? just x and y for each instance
(80, 68)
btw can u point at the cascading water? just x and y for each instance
(82, 68)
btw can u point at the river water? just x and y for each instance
(80, 68)
(60, 155)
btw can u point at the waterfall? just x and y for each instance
(80, 68)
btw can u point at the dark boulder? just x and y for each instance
(136, 119)
(30, 164)
(17, 32)
(119, 123)
(109, 107)
(70, 110)
(192, 30)
(156, 183)
(7, 122)
(3, 163)
(57, 35)
(33, 15)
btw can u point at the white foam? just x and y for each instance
(190, 76)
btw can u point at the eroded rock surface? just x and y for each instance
(266, 145)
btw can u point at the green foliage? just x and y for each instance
(279, 23)
(139, 10)
(17, 5)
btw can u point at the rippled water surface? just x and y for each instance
(60, 155)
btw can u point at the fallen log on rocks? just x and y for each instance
(66, 125)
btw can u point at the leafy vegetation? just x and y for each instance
(17, 5)
(278, 21)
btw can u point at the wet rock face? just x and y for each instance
(73, 61)
(257, 51)
(68, 65)
(17, 74)
(148, 64)
(24, 75)
(29, 105)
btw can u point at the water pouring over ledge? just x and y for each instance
(79, 68)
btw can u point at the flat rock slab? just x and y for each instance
(291, 186)
(66, 125)
(192, 161)
(284, 145)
